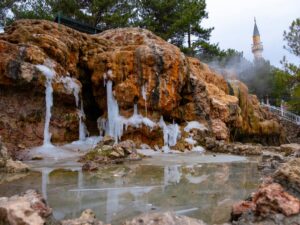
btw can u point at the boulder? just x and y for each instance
(289, 149)
(107, 154)
(87, 217)
(270, 162)
(167, 218)
(220, 129)
(272, 198)
(271, 204)
(288, 174)
(28, 208)
(16, 166)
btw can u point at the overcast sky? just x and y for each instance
(234, 21)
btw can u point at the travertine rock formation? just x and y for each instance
(27, 208)
(145, 70)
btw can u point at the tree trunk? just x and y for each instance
(189, 37)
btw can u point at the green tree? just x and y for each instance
(176, 21)
(292, 38)
(108, 14)
(5, 5)
(33, 9)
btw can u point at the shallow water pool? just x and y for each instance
(200, 186)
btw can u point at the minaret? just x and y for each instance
(257, 47)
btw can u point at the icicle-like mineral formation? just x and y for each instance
(49, 74)
(171, 134)
(73, 87)
(144, 94)
(115, 125)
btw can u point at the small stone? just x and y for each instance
(114, 154)
(87, 217)
(163, 219)
(106, 148)
(156, 148)
(37, 157)
(108, 140)
(21, 146)
(16, 166)
(120, 151)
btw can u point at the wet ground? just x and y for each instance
(200, 186)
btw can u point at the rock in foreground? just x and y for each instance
(271, 204)
(167, 218)
(288, 174)
(25, 209)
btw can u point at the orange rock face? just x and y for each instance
(145, 70)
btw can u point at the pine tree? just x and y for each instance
(175, 21)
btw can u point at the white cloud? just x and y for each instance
(234, 20)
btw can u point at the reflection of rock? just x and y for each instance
(166, 218)
(28, 208)
(8, 177)
(196, 179)
(87, 217)
(172, 174)
(109, 154)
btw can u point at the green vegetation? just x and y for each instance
(291, 73)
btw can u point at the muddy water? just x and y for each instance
(200, 186)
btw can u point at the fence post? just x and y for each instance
(281, 107)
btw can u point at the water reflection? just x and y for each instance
(203, 191)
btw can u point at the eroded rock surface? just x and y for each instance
(288, 174)
(87, 217)
(271, 204)
(108, 153)
(26, 209)
(237, 148)
(7, 165)
(167, 218)
(145, 70)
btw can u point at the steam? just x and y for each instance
(257, 75)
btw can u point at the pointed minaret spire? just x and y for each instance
(255, 31)
(257, 47)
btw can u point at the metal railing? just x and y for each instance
(282, 113)
(77, 25)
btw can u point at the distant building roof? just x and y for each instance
(255, 31)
